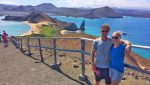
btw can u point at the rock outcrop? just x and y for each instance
(82, 26)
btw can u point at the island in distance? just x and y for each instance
(50, 9)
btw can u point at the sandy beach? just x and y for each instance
(35, 27)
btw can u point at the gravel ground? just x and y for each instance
(18, 69)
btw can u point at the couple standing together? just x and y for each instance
(108, 57)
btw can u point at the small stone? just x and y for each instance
(61, 55)
(127, 73)
(50, 55)
(89, 62)
(75, 60)
(137, 77)
(124, 78)
(59, 64)
(132, 74)
(75, 65)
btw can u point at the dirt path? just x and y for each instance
(18, 69)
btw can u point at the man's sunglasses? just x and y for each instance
(105, 31)
(115, 37)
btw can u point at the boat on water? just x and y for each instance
(126, 33)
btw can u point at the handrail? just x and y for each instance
(135, 46)
(82, 51)
(140, 46)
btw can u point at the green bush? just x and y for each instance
(49, 31)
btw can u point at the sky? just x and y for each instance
(84, 3)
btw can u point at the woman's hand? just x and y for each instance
(143, 67)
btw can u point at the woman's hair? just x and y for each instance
(105, 26)
(118, 33)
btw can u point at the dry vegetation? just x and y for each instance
(70, 62)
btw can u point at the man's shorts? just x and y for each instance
(115, 75)
(104, 74)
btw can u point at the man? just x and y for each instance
(101, 51)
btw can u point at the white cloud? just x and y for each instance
(9, 2)
(101, 3)
(84, 3)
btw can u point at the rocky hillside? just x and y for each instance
(105, 12)
(39, 17)
(33, 17)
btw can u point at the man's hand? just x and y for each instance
(95, 70)
(93, 67)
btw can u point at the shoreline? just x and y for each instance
(34, 27)
(64, 32)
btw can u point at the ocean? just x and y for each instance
(13, 28)
(135, 29)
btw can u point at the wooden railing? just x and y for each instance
(19, 44)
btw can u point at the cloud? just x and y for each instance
(9, 2)
(84, 3)
(101, 3)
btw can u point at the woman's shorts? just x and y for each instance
(115, 75)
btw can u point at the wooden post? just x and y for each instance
(21, 44)
(28, 42)
(17, 42)
(41, 55)
(17, 39)
(83, 77)
(54, 44)
(55, 65)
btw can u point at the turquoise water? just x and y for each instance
(13, 28)
(138, 29)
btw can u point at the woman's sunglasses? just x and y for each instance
(115, 37)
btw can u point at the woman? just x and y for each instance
(117, 54)
(5, 40)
